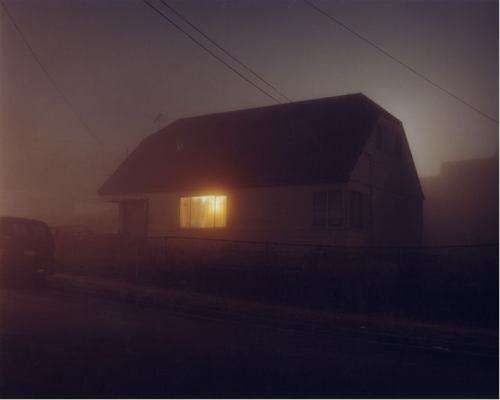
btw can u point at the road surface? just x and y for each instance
(65, 346)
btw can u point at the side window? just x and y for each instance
(327, 208)
(41, 232)
(20, 230)
(134, 217)
(320, 208)
(3, 230)
(335, 208)
(388, 140)
(358, 209)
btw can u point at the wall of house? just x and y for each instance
(392, 181)
(388, 182)
(274, 214)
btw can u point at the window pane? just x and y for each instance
(220, 211)
(388, 139)
(41, 232)
(202, 212)
(356, 209)
(209, 211)
(21, 230)
(320, 209)
(335, 207)
(185, 212)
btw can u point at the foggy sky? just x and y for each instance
(119, 64)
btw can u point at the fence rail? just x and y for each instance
(455, 283)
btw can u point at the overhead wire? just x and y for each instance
(210, 52)
(65, 99)
(398, 61)
(224, 50)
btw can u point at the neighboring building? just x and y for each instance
(461, 206)
(60, 209)
(47, 206)
(328, 171)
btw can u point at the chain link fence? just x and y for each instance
(450, 284)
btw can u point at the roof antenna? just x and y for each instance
(158, 119)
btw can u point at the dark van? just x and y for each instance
(26, 248)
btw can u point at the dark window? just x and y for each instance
(31, 231)
(320, 208)
(327, 208)
(388, 140)
(41, 232)
(335, 208)
(21, 230)
(356, 210)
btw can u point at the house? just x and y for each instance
(461, 206)
(330, 171)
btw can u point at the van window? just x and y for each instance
(33, 231)
(41, 232)
(20, 230)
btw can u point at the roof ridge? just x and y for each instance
(271, 106)
(307, 142)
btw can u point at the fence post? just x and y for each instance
(399, 261)
(267, 255)
(165, 250)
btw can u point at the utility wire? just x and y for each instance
(398, 61)
(208, 51)
(222, 49)
(54, 84)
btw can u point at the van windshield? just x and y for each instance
(32, 231)
(41, 232)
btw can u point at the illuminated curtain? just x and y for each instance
(203, 212)
(220, 211)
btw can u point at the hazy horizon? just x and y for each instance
(83, 82)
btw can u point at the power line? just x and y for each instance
(54, 84)
(208, 51)
(398, 61)
(225, 51)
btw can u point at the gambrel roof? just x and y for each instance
(306, 142)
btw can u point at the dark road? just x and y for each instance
(64, 346)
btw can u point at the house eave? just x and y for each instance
(207, 187)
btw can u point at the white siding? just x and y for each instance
(396, 197)
(279, 214)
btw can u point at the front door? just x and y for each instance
(134, 217)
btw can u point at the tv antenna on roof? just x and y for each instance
(158, 119)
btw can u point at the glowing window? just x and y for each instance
(203, 212)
